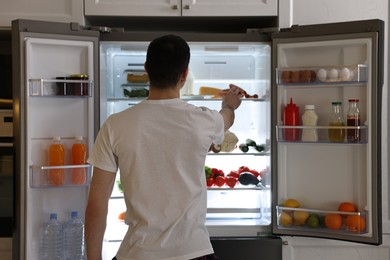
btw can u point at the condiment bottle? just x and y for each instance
(353, 119)
(291, 118)
(309, 118)
(79, 155)
(56, 158)
(336, 119)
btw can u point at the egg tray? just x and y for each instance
(322, 75)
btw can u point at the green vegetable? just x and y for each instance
(250, 142)
(259, 148)
(243, 147)
(207, 171)
(141, 92)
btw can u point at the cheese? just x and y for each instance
(210, 91)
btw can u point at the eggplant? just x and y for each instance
(247, 178)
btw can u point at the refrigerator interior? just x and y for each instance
(322, 174)
(49, 114)
(212, 64)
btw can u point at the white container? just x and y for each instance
(309, 119)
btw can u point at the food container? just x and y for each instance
(78, 88)
(61, 86)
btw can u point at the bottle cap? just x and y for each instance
(336, 103)
(309, 107)
(74, 214)
(353, 100)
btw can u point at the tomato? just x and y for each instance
(234, 174)
(231, 181)
(219, 181)
(209, 182)
(254, 172)
(216, 172)
(243, 169)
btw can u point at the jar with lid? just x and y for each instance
(79, 88)
(353, 120)
(336, 134)
(309, 119)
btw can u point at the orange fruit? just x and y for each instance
(355, 223)
(122, 215)
(347, 207)
(333, 221)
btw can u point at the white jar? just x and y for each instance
(309, 121)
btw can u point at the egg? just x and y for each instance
(321, 75)
(333, 74)
(345, 74)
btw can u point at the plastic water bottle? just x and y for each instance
(52, 239)
(74, 238)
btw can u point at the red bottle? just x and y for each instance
(291, 118)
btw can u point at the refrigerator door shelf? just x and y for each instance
(73, 176)
(349, 74)
(298, 218)
(322, 132)
(60, 87)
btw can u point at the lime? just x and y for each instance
(313, 221)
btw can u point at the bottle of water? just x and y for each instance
(52, 239)
(74, 238)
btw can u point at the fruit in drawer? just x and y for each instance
(300, 217)
(313, 221)
(347, 207)
(333, 221)
(231, 181)
(291, 203)
(355, 223)
(219, 181)
(285, 219)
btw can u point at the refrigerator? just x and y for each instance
(49, 101)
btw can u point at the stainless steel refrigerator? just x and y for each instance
(320, 174)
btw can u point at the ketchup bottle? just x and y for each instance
(291, 118)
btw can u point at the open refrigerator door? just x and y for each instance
(328, 173)
(47, 104)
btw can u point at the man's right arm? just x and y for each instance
(231, 101)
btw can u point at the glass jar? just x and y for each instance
(336, 119)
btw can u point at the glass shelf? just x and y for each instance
(60, 87)
(303, 214)
(294, 133)
(60, 176)
(350, 74)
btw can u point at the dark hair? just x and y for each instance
(167, 57)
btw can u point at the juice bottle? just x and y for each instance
(353, 119)
(291, 118)
(56, 158)
(336, 134)
(78, 158)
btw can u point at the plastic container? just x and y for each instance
(291, 118)
(56, 158)
(309, 118)
(74, 238)
(79, 154)
(52, 239)
(79, 88)
(336, 119)
(353, 119)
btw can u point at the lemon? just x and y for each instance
(300, 217)
(285, 219)
(291, 203)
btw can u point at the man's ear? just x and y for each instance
(185, 74)
(145, 67)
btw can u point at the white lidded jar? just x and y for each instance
(309, 121)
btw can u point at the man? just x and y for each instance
(159, 146)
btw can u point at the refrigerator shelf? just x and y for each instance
(349, 74)
(267, 153)
(136, 84)
(60, 87)
(294, 133)
(301, 221)
(63, 176)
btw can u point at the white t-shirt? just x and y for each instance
(160, 147)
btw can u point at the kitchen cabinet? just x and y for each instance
(181, 8)
(56, 11)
